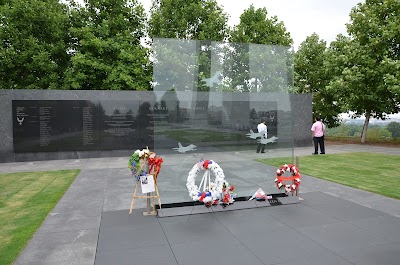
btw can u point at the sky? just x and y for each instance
(327, 18)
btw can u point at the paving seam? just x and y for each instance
(101, 217)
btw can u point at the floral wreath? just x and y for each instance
(280, 180)
(137, 162)
(213, 193)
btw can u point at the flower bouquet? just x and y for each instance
(260, 195)
(228, 194)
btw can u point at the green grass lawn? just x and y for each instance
(25, 200)
(378, 173)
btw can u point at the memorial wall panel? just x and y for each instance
(118, 124)
(34, 125)
(210, 121)
(81, 125)
(194, 124)
(77, 125)
(165, 116)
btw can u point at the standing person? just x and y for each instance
(318, 129)
(262, 130)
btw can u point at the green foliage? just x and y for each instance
(394, 129)
(255, 68)
(375, 132)
(256, 27)
(366, 66)
(344, 130)
(366, 171)
(33, 50)
(188, 19)
(25, 201)
(311, 76)
(241, 66)
(106, 48)
(201, 20)
(175, 64)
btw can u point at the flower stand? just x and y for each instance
(145, 166)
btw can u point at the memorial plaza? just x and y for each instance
(331, 223)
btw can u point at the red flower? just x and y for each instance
(206, 163)
(231, 188)
(226, 199)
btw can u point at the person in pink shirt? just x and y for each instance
(317, 130)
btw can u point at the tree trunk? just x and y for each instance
(365, 127)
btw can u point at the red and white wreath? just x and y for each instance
(281, 180)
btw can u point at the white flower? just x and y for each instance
(207, 199)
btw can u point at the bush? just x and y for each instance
(394, 129)
(375, 132)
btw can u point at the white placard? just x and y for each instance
(147, 183)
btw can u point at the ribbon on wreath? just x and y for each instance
(207, 163)
(155, 164)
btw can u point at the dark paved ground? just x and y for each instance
(334, 224)
(323, 229)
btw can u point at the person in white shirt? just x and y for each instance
(263, 131)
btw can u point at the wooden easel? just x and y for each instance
(148, 196)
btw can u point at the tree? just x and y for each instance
(311, 76)
(200, 20)
(256, 68)
(394, 128)
(370, 61)
(107, 52)
(188, 19)
(256, 27)
(34, 42)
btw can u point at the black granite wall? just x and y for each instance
(56, 124)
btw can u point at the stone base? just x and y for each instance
(189, 208)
